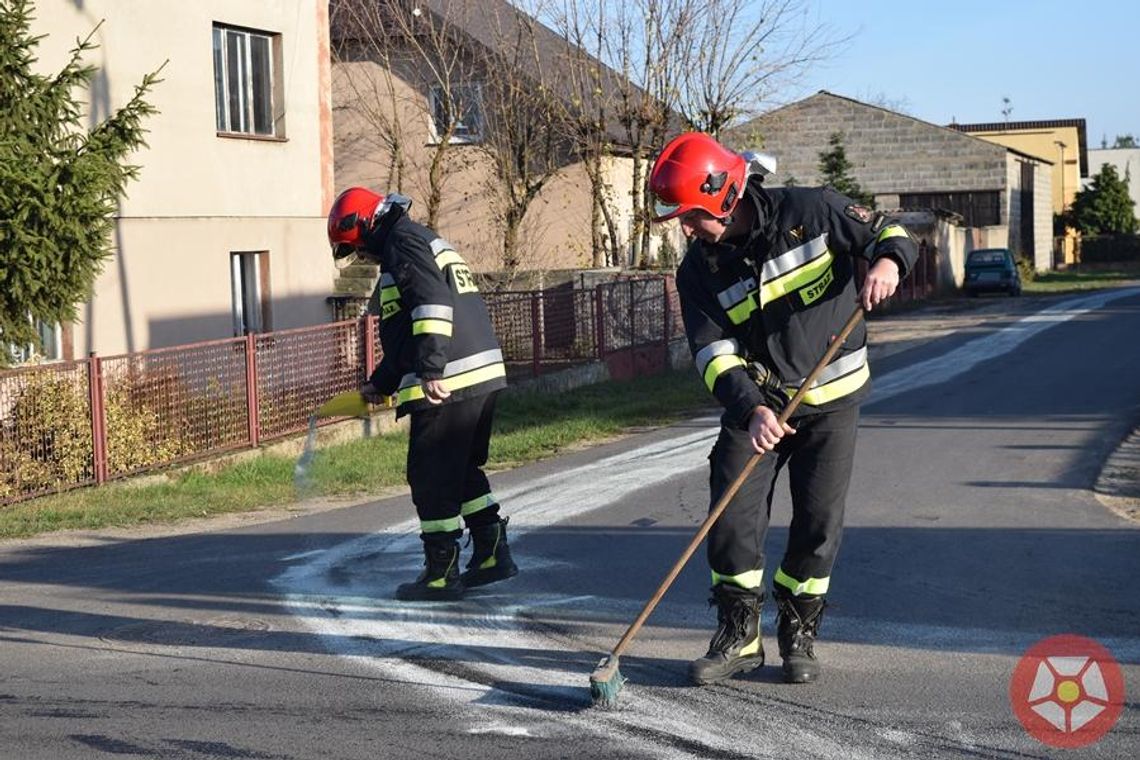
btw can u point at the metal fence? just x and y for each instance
(72, 424)
(546, 330)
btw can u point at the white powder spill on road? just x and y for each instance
(483, 649)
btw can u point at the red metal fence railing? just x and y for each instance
(50, 425)
(74, 424)
(299, 369)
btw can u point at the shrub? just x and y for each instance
(136, 437)
(46, 442)
(1025, 269)
(46, 437)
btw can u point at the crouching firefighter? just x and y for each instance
(442, 361)
(767, 281)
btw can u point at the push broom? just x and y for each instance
(606, 680)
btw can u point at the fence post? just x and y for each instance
(251, 388)
(98, 417)
(667, 323)
(599, 317)
(535, 336)
(913, 281)
(369, 345)
(632, 317)
(925, 259)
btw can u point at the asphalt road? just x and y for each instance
(972, 534)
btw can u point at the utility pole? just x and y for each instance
(1062, 146)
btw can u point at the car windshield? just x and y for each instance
(988, 256)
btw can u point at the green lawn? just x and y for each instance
(1069, 280)
(528, 426)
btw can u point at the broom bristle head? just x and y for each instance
(605, 683)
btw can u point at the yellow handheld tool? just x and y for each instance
(347, 404)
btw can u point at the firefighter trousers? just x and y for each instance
(819, 459)
(447, 450)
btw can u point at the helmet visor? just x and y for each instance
(663, 209)
(344, 255)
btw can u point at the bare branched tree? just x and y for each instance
(414, 43)
(361, 38)
(523, 97)
(697, 64)
(587, 116)
(742, 53)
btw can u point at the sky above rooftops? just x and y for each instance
(943, 62)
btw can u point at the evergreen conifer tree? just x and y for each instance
(835, 170)
(60, 183)
(1104, 207)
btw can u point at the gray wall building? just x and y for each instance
(912, 164)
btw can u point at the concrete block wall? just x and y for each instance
(1042, 210)
(1011, 204)
(1043, 218)
(890, 153)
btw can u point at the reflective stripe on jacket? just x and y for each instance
(433, 322)
(760, 315)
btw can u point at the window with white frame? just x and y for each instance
(249, 279)
(463, 111)
(247, 91)
(50, 348)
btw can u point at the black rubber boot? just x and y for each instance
(439, 581)
(491, 558)
(736, 646)
(796, 627)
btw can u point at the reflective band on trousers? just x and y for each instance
(445, 525)
(815, 586)
(747, 579)
(478, 504)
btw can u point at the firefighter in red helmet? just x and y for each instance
(443, 362)
(767, 280)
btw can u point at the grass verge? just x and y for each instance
(1050, 283)
(528, 426)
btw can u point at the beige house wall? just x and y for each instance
(1066, 177)
(201, 196)
(556, 232)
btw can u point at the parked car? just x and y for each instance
(992, 270)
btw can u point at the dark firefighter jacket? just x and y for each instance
(760, 314)
(433, 322)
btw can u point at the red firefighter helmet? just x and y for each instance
(696, 171)
(350, 216)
